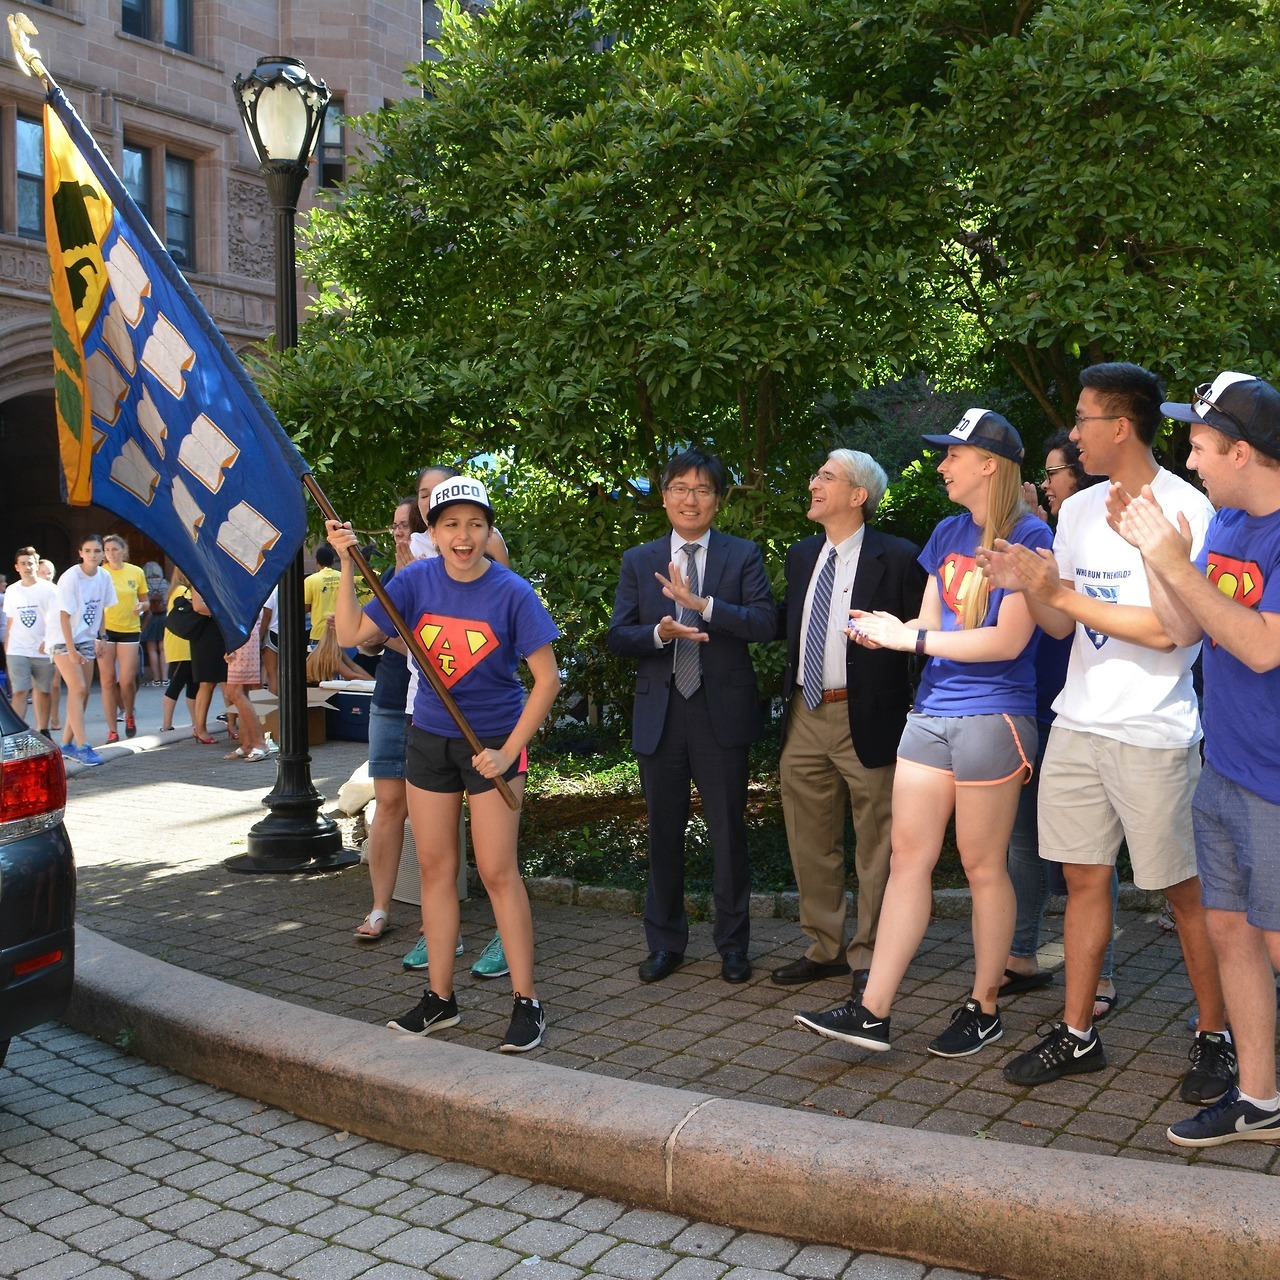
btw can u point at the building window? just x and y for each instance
(171, 18)
(332, 147)
(177, 24)
(30, 177)
(179, 204)
(137, 178)
(135, 18)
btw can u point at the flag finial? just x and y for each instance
(20, 28)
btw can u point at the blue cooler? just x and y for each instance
(347, 716)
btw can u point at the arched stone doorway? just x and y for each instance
(32, 511)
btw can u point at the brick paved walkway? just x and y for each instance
(116, 1169)
(151, 832)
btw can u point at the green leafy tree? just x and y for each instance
(735, 221)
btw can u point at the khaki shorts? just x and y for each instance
(1096, 791)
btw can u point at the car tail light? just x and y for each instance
(33, 786)
(24, 967)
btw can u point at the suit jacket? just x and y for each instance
(744, 613)
(889, 577)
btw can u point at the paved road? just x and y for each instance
(111, 1167)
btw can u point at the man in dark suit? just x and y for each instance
(688, 605)
(844, 707)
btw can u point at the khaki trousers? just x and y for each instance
(817, 767)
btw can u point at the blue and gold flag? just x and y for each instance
(157, 419)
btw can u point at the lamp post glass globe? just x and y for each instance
(283, 110)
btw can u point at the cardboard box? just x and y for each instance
(265, 703)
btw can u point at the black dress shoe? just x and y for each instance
(660, 964)
(735, 967)
(806, 970)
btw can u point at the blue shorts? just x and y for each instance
(388, 742)
(1237, 850)
(975, 750)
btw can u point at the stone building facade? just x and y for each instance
(152, 81)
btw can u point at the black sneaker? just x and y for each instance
(431, 1013)
(1229, 1120)
(528, 1022)
(851, 1023)
(1213, 1068)
(970, 1030)
(1058, 1054)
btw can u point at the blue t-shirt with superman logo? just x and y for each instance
(950, 688)
(475, 633)
(1241, 557)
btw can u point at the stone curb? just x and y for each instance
(948, 904)
(1019, 1212)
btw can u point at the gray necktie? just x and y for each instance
(688, 659)
(815, 642)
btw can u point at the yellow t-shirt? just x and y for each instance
(176, 649)
(131, 584)
(320, 591)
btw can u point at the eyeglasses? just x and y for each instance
(1201, 396)
(1098, 417)
(1050, 472)
(681, 491)
(400, 524)
(828, 477)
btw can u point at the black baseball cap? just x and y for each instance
(985, 429)
(1237, 404)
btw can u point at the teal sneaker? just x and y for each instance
(492, 963)
(417, 958)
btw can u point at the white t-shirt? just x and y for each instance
(1114, 688)
(424, 548)
(85, 599)
(32, 613)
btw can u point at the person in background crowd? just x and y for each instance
(388, 749)
(320, 590)
(1033, 878)
(182, 680)
(244, 672)
(120, 658)
(30, 606)
(153, 630)
(48, 571)
(85, 593)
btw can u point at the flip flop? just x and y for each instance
(1108, 1003)
(237, 754)
(254, 756)
(379, 924)
(1016, 983)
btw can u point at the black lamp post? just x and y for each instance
(283, 112)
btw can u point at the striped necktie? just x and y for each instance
(688, 659)
(815, 642)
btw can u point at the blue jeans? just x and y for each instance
(1031, 874)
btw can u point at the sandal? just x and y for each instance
(205, 742)
(237, 754)
(252, 757)
(379, 923)
(1107, 1002)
